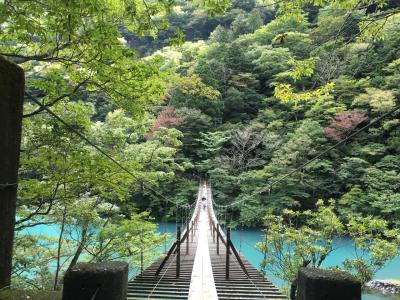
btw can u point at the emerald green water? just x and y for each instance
(245, 241)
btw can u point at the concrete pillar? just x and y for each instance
(11, 102)
(100, 281)
(318, 284)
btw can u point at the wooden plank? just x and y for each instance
(244, 282)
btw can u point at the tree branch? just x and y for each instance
(51, 103)
(20, 59)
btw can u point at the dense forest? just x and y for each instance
(130, 103)
(264, 95)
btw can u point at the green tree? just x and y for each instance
(246, 23)
(298, 239)
(67, 184)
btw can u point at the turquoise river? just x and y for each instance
(246, 239)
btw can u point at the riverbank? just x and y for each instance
(375, 295)
(246, 239)
(387, 287)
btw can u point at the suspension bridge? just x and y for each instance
(202, 263)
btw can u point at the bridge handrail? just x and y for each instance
(220, 233)
(192, 223)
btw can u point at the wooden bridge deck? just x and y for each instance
(239, 286)
(167, 286)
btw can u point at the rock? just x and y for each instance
(385, 286)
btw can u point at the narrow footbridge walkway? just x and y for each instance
(202, 264)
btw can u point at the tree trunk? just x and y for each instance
(11, 100)
(60, 238)
(79, 250)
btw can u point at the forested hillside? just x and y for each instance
(261, 97)
(129, 103)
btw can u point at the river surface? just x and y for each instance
(245, 241)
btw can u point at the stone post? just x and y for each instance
(318, 284)
(100, 281)
(12, 84)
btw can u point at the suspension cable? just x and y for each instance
(100, 150)
(162, 276)
(176, 216)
